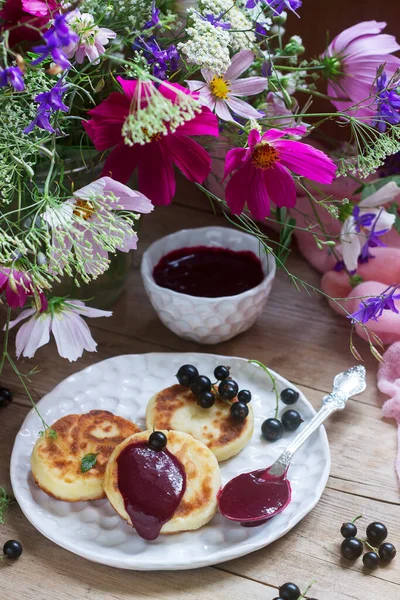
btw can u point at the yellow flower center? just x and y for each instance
(219, 87)
(264, 156)
(84, 209)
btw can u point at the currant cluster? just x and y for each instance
(12, 549)
(291, 591)
(225, 388)
(352, 547)
(272, 429)
(5, 397)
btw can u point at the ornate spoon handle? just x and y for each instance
(345, 385)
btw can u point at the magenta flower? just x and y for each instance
(351, 62)
(17, 286)
(17, 14)
(221, 92)
(263, 172)
(63, 319)
(155, 159)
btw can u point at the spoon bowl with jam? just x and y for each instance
(208, 284)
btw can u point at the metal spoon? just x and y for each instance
(253, 498)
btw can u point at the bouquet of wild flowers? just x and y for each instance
(124, 87)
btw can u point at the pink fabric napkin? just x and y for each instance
(389, 384)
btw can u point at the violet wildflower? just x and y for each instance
(56, 38)
(216, 21)
(155, 17)
(388, 108)
(277, 6)
(49, 102)
(161, 60)
(12, 76)
(373, 308)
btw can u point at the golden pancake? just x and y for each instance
(176, 408)
(56, 463)
(203, 480)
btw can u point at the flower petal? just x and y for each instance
(33, 335)
(258, 199)
(305, 160)
(384, 220)
(237, 188)
(351, 244)
(87, 311)
(156, 174)
(385, 194)
(24, 315)
(68, 345)
(239, 64)
(234, 159)
(204, 123)
(243, 109)
(191, 158)
(280, 185)
(121, 162)
(344, 38)
(128, 199)
(222, 111)
(248, 86)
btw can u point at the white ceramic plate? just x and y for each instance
(123, 385)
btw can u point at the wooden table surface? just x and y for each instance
(298, 336)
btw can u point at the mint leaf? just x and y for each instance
(88, 462)
(5, 501)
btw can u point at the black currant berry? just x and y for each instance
(206, 400)
(5, 397)
(291, 420)
(348, 530)
(351, 548)
(239, 411)
(186, 374)
(387, 551)
(244, 396)
(371, 560)
(200, 384)
(376, 533)
(289, 396)
(157, 440)
(272, 430)
(289, 591)
(228, 389)
(221, 372)
(12, 549)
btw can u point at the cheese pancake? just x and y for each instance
(56, 463)
(176, 408)
(203, 480)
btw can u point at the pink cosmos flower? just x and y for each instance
(91, 40)
(35, 12)
(220, 92)
(64, 320)
(17, 286)
(155, 159)
(352, 60)
(90, 214)
(262, 172)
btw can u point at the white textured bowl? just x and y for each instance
(207, 320)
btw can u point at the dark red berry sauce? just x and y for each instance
(152, 485)
(209, 272)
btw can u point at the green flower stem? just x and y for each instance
(356, 518)
(20, 377)
(274, 388)
(5, 344)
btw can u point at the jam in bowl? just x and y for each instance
(208, 284)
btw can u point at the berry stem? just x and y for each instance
(356, 518)
(366, 542)
(303, 595)
(274, 389)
